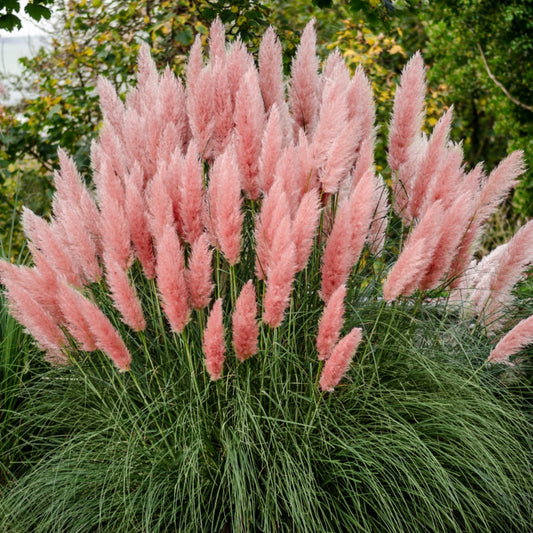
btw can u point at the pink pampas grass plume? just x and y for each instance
(330, 324)
(111, 105)
(199, 273)
(497, 186)
(33, 316)
(46, 241)
(213, 342)
(106, 337)
(170, 276)
(192, 195)
(304, 227)
(244, 325)
(519, 337)
(305, 84)
(408, 111)
(195, 64)
(159, 202)
(200, 110)
(224, 201)
(361, 104)
(217, 40)
(416, 256)
(280, 275)
(124, 295)
(271, 69)
(337, 365)
(271, 149)
(136, 213)
(249, 126)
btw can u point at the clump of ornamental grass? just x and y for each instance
(248, 330)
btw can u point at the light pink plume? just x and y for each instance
(199, 273)
(224, 200)
(124, 295)
(280, 275)
(194, 65)
(305, 84)
(497, 186)
(416, 256)
(136, 213)
(361, 104)
(519, 337)
(271, 147)
(271, 70)
(244, 325)
(170, 275)
(249, 126)
(159, 201)
(200, 110)
(191, 195)
(330, 325)
(304, 227)
(223, 109)
(408, 111)
(110, 104)
(213, 342)
(217, 40)
(337, 365)
(106, 337)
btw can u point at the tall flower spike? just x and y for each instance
(224, 198)
(199, 273)
(337, 365)
(519, 337)
(170, 276)
(244, 325)
(304, 227)
(271, 69)
(330, 324)
(213, 342)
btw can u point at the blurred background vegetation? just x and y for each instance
(478, 53)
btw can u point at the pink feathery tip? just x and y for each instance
(194, 64)
(416, 256)
(361, 104)
(199, 273)
(217, 40)
(200, 110)
(136, 211)
(29, 313)
(337, 365)
(106, 337)
(304, 227)
(170, 276)
(455, 224)
(124, 295)
(223, 109)
(519, 337)
(224, 198)
(274, 208)
(238, 62)
(74, 318)
(249, 127)
(337, 258)
(192, 195)
(517, 256)
(45, 239)
(244, 325)
(497, 186)
(159, 203)
(271, 69)
(213, 342)
(271, 147)
(172, 98)
(110, 103)
(408, 111)
(280, 275)
(305, 83)
(330, 324)
(146, 68)
(114, 227)
(340, 157)
(430, 168)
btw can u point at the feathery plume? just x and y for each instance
(271, 148)
(516, 339)
(361, 103)
(244, 325)
(304, 227)
(224, 201)
(199, 273)
(330, 324)
(213, 342)
(271, 70)
(337, 365)
(170, 276)
(305, 83)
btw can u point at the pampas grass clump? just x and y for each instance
(237, 340)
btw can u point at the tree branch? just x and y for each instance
(499, 84)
